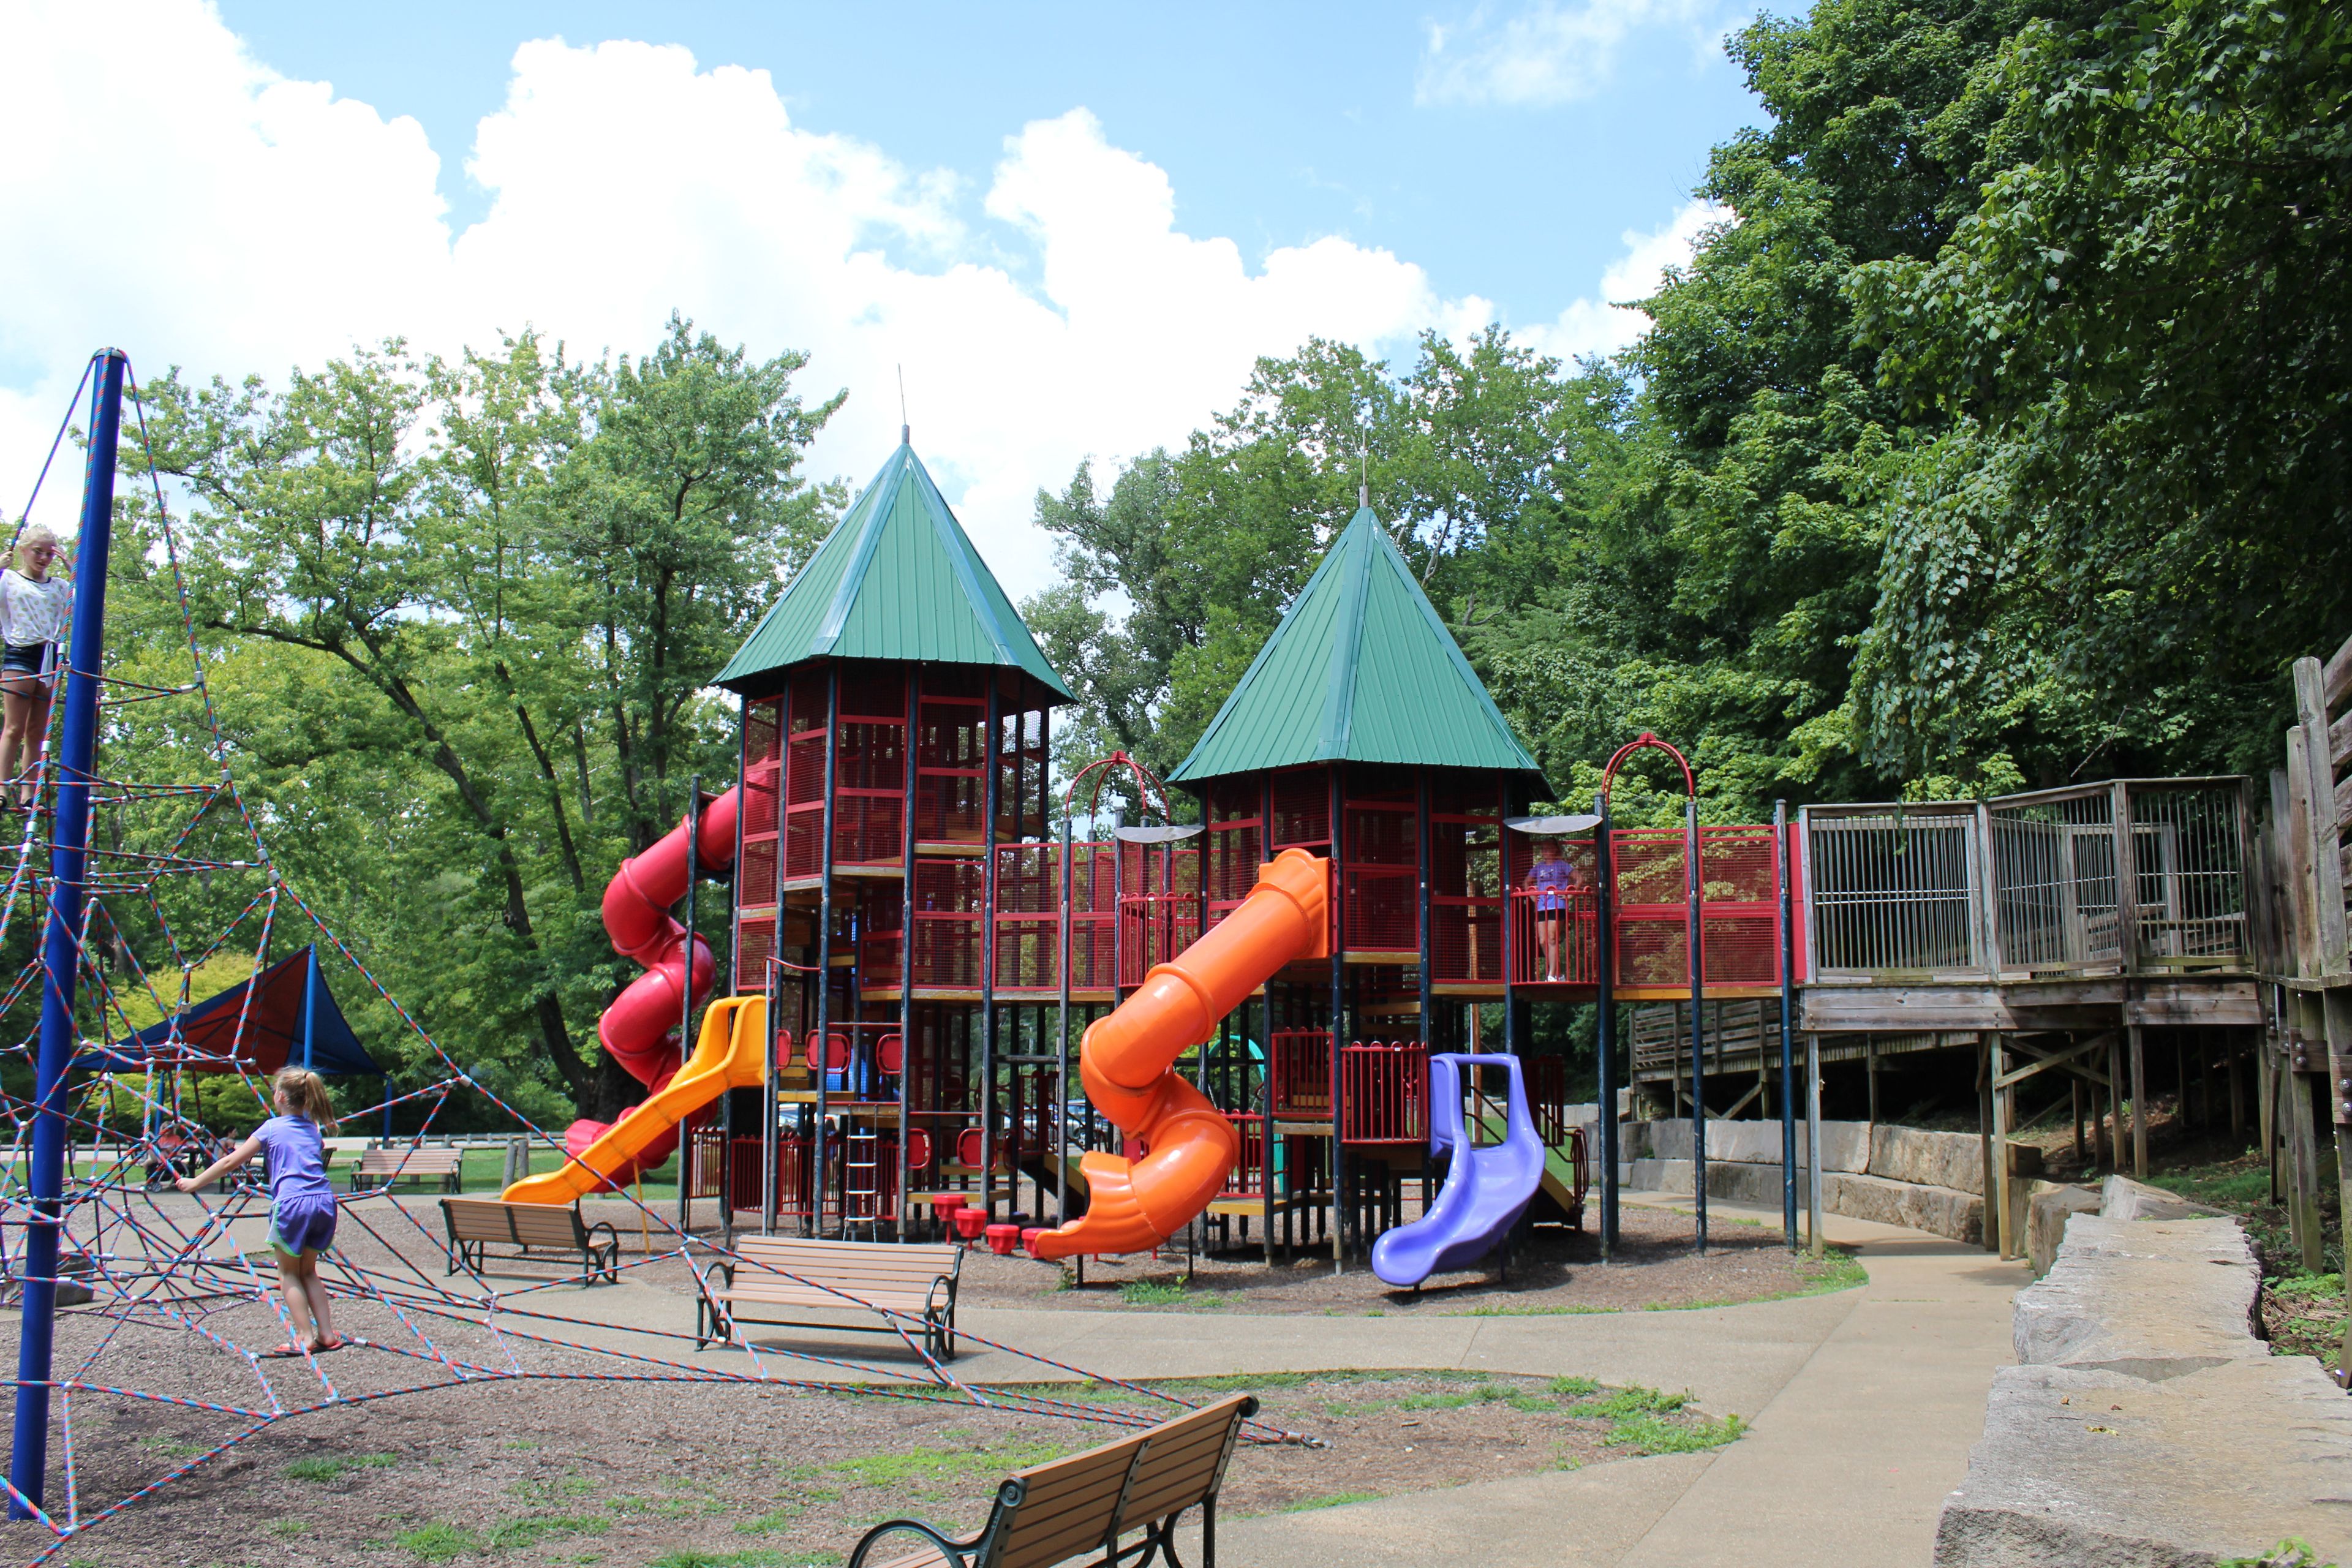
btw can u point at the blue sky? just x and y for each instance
(1277, 124)
(1071, 228)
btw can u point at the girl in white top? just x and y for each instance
(33, 609)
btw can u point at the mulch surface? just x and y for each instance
(1654, 1266)
(565, 1463)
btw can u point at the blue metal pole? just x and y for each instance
(310, 1004)
(61, 948)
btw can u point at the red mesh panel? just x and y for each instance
(1466, 939)
(867, 829)
(1384, 836)
(1301, 1075)
(1231, 852)
(1302, 808)
(760, 800)
(761, 730)
(946, 923)
(756, 943)
(950, 759)
(1384, 1093)
(1384, 911)
(1028, 952)
(804, 840)
(871, 756)
(756, 885)
(878, 958)
(1474, 796)
(1652, 949)
(1028, 879)
(1742, 949)
(1093, 965)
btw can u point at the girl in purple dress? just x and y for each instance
(301, 1200)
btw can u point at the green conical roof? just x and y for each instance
(1361, 670)
(896, 579)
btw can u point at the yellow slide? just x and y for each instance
(728, 1054)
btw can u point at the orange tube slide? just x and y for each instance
(1125, 1062)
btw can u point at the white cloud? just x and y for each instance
(170, 193)
(1606, 324)
(1549, 53)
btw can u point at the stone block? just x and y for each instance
(1939, 1211)
(2045, 1222)
(2122, 1198)
(2085, 1466)
(1954, 1160)
(1845, 1145)
(2151, 1299)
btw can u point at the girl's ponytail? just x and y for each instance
(306, 1092)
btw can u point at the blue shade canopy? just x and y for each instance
(223, 1033)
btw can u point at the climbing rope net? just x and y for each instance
(166, 1301)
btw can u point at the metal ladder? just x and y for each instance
(861, 1177)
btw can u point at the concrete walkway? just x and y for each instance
(1862, 1406)
(1864, 1409)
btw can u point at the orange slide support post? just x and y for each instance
(1126, 1062)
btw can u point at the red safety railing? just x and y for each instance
(1247, 1178)
(948, 903)
(1555, 939)
(1384, 1093)
(1299, 1081)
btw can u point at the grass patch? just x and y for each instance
(288, 1526)
(2308, 1287)
(929, 1473)
(1335, 1499)
(1571, 1387)
(334, 1468)
(173, 1448)
(750, 1557)
(1648, 1433)
(439, 1542)
(1167, 1293)
(775, 1522)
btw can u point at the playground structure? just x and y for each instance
(89, 1227)
(915, 937)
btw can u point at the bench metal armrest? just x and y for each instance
(960, 1554)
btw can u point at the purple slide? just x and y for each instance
(1485, 1191)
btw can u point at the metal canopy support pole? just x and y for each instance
(28, 1459)
(989, 805)
(780, 1039)
(310, 1006)
(1786, 905)
(1266, 1044)
(1815, 1242)
(909, 783)
(1695, 942)
(1059, 1121)
(735, 961)
(818, 1150)
(1604, 954)
(1339, 1016)
(686, 1007)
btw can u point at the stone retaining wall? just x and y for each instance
(2145, 1423)
(1897, 1175)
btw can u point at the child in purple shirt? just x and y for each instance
(302, 1199)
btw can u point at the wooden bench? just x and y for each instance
(382, 1167)
(477, 1224)
(1052, 1513)
(797, 1275)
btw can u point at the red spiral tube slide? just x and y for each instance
(641, 1029)
(1126, 1062)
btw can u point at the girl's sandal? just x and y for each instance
(283, 1353)
(323, 1346)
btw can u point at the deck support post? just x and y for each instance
(2266, 1105)
(2303, 1166)
(2138, 1103)
(1991, 1237)
(1997, 1213)
(1815, 1240)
